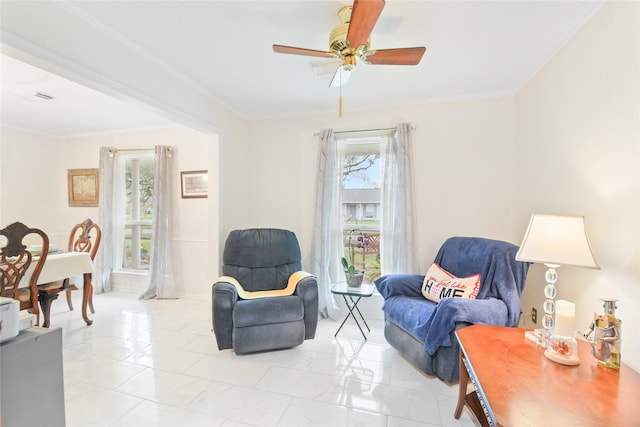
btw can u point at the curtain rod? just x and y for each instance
(362, 130)
(139, 150)
(113, 151)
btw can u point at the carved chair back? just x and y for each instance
(15, 260)
(80, 238)
(80, 241)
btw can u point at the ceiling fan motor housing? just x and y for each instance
(339, 44)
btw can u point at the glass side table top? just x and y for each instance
(365, 290)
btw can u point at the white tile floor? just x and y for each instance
(155, 363)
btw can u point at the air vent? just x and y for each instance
(43, 96)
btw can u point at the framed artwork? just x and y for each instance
(194, 184)
(83, 187)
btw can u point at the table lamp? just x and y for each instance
(555, 240)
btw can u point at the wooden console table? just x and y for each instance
(515, 385)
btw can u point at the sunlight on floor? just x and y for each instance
(156, 363)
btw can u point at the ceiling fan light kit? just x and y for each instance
(350, 42)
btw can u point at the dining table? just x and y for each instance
(61, 266)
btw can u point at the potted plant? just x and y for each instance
(353, 276)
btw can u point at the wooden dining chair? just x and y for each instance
(80, 241)
(16, 260)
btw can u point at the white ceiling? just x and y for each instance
(474, 49)
(74, 110)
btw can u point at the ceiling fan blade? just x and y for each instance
(364, 16)
(341, 77)
(301, 51)
(401, 56)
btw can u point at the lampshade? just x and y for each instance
(557, 239)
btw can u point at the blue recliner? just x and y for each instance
(424, 331)
(264, 301)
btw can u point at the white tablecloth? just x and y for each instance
(59, 267)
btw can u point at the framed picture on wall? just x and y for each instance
(194, 184)
(83, 187)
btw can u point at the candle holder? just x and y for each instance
(562, 346)
(562, 349)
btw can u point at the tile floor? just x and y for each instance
(155, 363)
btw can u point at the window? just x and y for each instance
(361, 203)
(370, 211)
(136, 207)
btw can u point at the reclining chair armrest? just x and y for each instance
(307, 289)
(224, 296)
(399, 284)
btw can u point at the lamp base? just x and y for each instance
(538, 336)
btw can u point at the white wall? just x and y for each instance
(578, 152)
(30, 181)
(463, 156)
(34, 188)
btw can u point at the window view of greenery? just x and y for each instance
(139, 174)
(361, 207)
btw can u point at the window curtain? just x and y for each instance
(118, 215)
(105, 260)
(327, 236)
(110, 217)
(160, 281)
(398, 251)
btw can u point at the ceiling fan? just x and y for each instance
(350, 40)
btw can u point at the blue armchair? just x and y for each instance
(423, 331)
(264, 301)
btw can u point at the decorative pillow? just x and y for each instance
(439, 283)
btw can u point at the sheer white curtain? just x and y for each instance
(110, 216)
(398, 251)
(105, 261)
(119, 208)
(160, 281)
(327, 236)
